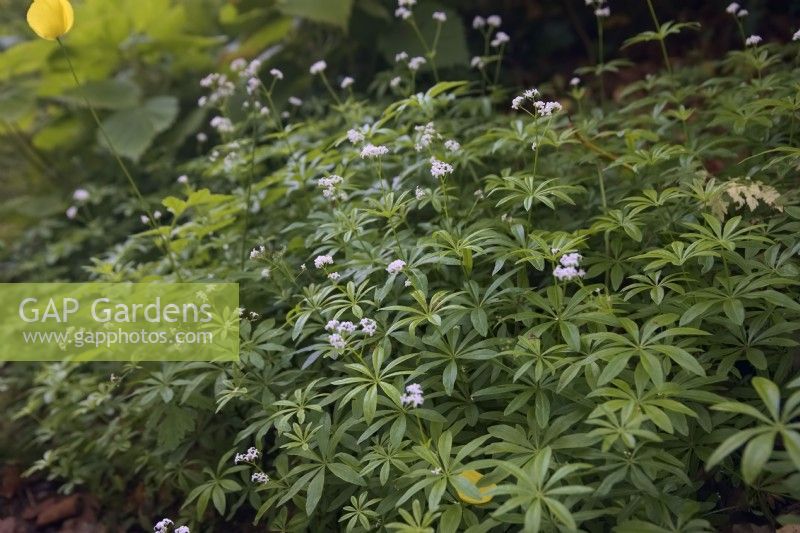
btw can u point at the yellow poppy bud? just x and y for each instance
(50, 19)
(473, 477)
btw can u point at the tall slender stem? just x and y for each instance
(121, 164)
(661, 39)
(249, 193)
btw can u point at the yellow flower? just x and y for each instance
(473, 477)
(50, 19)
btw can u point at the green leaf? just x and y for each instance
(449, 376)
(314, 492)
(132, 131)
(333, 12)
(756, 454)
(450, 519)
(769, 394)
(106, 94)
(346, 473)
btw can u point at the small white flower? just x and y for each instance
(415, 62)
(440, 16)
(162, 525)
(260, 478)
(80, 195)
(337, 341)
(477, 62)
(602, 12)
(753, 40)
(534, 146)
(574, 82)
(732, 8)
(238, 64)
(371, 151)
(257, 252)
(500, 39)
(276, 73)
(742, 13)
(72, 212)
(494, 21)
(531, 94)
(266, 273)
(568, 273)
(517, 102)
(322, 260)
(400, 57)
(413, 395)
(182, 529)
(347, 82)
(420, 193)
(144, 220)
(440, 169)
(407, 3)
(369, 326)
(334, 276)
(355, 136)
(222, 124)
(248, 457)
(201, 137)
(157, 215)
(796, 36)
(478, 22)
(436, 471)
(295, 101)
(572, 259)
(318, 67)
(183, 180)
(452, 145)
(345, 327)
(402, 13)
(396, 266)
(395, 82)
(332, 325)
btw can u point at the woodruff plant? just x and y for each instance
(465, 312)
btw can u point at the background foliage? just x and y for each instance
(657, 393)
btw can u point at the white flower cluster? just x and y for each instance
(736, 10)
(500, 39)
(401, 57)
(259, 477)
(295, 101)
(403, 10)
(371, 151)
(493, 21)
(347, 81)
(425, 136)
(568, 269)
(276, 73)
(477, 62)
(222, 124)
(574, 82)
(356, 136)
(396, 266)
(71, 212)
(80, 195)
(440, 169)
(322, 260)
(249, 456)
(440, 16)
(163, 525)
(416, 62)
(257, 252)
(452, 145)
(318, 67)
(339, 331)
(221, 88)
(542, 108)
(753, 40)
(601, 10)
(419, 193)
(413, 395)
(330, 187)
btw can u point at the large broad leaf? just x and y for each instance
(106, 94)
(334, 12)
(133, 130)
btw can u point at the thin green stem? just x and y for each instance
(121, 164)
(330, 89)
(248, 195)
(499, 63)
(661, 40)
(428, 52)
